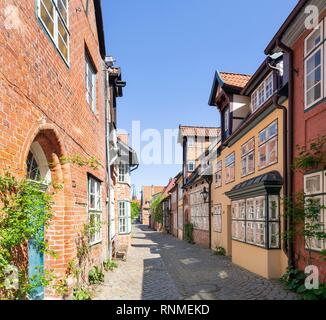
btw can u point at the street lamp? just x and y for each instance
(205, 194)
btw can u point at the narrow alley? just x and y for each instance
(160, 267)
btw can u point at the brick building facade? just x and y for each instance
(51, 108)
(307, 116)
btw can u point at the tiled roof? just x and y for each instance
(235, 79)
(188, 131)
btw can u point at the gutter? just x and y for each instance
(288, 150)
(210, 182)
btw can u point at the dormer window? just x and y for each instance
(262, 93)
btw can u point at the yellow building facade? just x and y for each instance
(247, 191)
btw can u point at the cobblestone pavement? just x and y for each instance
(160, 267)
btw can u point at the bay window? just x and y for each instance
(95, 210)
(314, 57)
(268, 146)
(230, 168)
(315, 212)
(53, 14)
(256, 221)
(248, 158)
(124, 208)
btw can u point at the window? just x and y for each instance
(315, 200)
(314, 66)
(252, 221)
(268, 146)
(248, 158)
(90, 77)
(218, 175)
(124, 217)
(199, 211)
(262, 93)
(217, 219)
(95, 210)
(191, 142)
(53, 15)
(123, 173)
(191, 166)
(226, 119)
(230, 168)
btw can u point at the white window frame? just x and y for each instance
(90, 69)
(123, 174)
(218, 219)
(96, 210)
(218, 174)
(227, 166)
(320, 194)
(255, 97)
(55, 37)
(307, 56)
(239, 220)
(193, 164)
(124, 216)
(245, 157)
(266, 143)
(191, 142)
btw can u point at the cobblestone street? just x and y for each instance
(160, 267)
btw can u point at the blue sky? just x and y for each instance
(169, 50)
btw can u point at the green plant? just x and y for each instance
(294, 280)
(95, 276)
(157, 209)
(135, 210)
(109, 265)
(25, 211)
(220, 251)
(82, 294)
(189, 229)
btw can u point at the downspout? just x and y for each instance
(289, 152)
(285, 165)
(107, 146)
(210, 182)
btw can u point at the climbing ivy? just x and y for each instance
(25, 210)
(157, 209)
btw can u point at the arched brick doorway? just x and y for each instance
(42, 162)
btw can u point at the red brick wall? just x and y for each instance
(201, 238)
(307, 126)
(42, 99)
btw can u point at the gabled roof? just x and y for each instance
(233, 82)
(235, 79)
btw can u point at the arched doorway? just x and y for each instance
(38, 171)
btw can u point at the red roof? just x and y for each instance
(235, 79)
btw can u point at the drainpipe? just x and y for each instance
(285, 164)
(289, 151)
(210, 182)
(107, 146)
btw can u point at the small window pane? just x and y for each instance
(313, 40)
(47, 16)
(313, 183)
(273, 207)
(274, 237)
